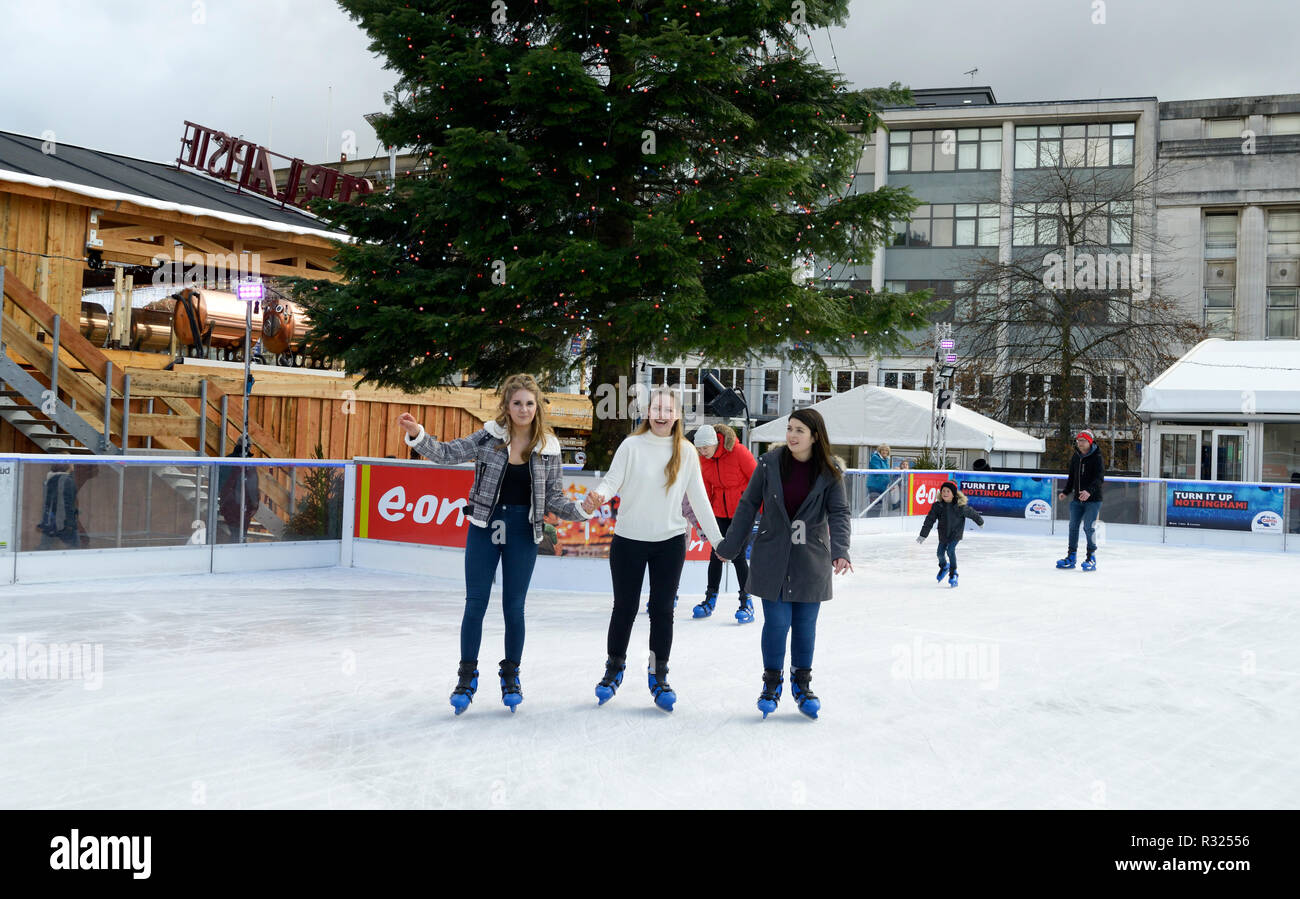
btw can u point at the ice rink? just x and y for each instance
(1170, 678)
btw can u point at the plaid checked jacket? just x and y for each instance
(486, 448)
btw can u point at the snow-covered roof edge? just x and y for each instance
(97, 193)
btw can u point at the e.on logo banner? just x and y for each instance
(413, 504)
(427, 504)
(922, 491)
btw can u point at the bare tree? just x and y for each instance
(1076, 311)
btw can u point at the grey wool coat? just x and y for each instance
(780, 564)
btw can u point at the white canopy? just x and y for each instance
(1232, 377)
(870, 416)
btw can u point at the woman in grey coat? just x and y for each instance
(803, 535)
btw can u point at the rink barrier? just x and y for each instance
(154, 514)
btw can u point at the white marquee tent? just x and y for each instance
(870, 416)
(1228, 377)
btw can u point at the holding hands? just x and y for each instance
(593, 502)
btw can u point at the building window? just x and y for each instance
(905, 380)
(1053, 224)
(733, 378)
(946, 149)
(1075, 146)
(1220, 292)
(1284, 124)
(772, 391)
(848, 380)
(1284, 233)
(1219, 310)
(1221, 235)
(827, 384)
(973, 304)
(1282, 312)
(950, 225)
(686, 381)
(1218, 128)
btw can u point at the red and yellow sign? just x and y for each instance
(426, 504)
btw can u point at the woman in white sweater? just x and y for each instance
(652, 470)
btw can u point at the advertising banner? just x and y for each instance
(1002, 496)
(1009, 495)
(1223, 506)
(426, 505)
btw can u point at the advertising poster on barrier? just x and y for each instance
(1224, 506)
(426, 505)
(922, 491)
(1009, 495)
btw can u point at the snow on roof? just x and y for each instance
(112, 177)
(1234, 377)
(869, 416)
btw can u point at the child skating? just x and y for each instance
(950, 510)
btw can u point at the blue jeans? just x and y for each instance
(507, 539)
(1087, 514)
(948, 549)
(796, 619)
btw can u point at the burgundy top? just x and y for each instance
(798, 485)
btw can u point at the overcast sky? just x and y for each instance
(122, 75)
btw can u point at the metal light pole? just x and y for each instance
(251, 292)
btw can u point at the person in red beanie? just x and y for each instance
(1083, 488)
(727, 467)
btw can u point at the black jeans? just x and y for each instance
(628, 561)
(715, 564)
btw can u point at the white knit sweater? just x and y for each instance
(647, 511)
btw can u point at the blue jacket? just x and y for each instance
(878, 483)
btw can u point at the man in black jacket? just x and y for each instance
(1083, 487)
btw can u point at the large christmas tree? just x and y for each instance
(642, 170)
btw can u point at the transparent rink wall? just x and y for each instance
(76, 517)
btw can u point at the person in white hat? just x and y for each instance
(726, 465)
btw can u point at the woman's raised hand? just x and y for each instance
(407, 423)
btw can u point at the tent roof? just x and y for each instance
(869, 416)
(1233, 377)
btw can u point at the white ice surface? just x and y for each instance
(1170, 678)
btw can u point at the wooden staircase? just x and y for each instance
(64, 394)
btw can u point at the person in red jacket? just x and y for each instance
(726, 465)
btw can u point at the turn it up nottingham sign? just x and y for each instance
(248, 165)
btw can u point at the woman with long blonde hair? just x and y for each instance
(652, 471)
(517, 482)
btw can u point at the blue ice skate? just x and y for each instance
(1067, 562)
(1090, 563)
(511, 692)
(705, 609)
(466, 685)
(802, 692)
(609, 684)
(771, 695)
(657, 675)
(745, 614)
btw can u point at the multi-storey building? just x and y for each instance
(1216, 205)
